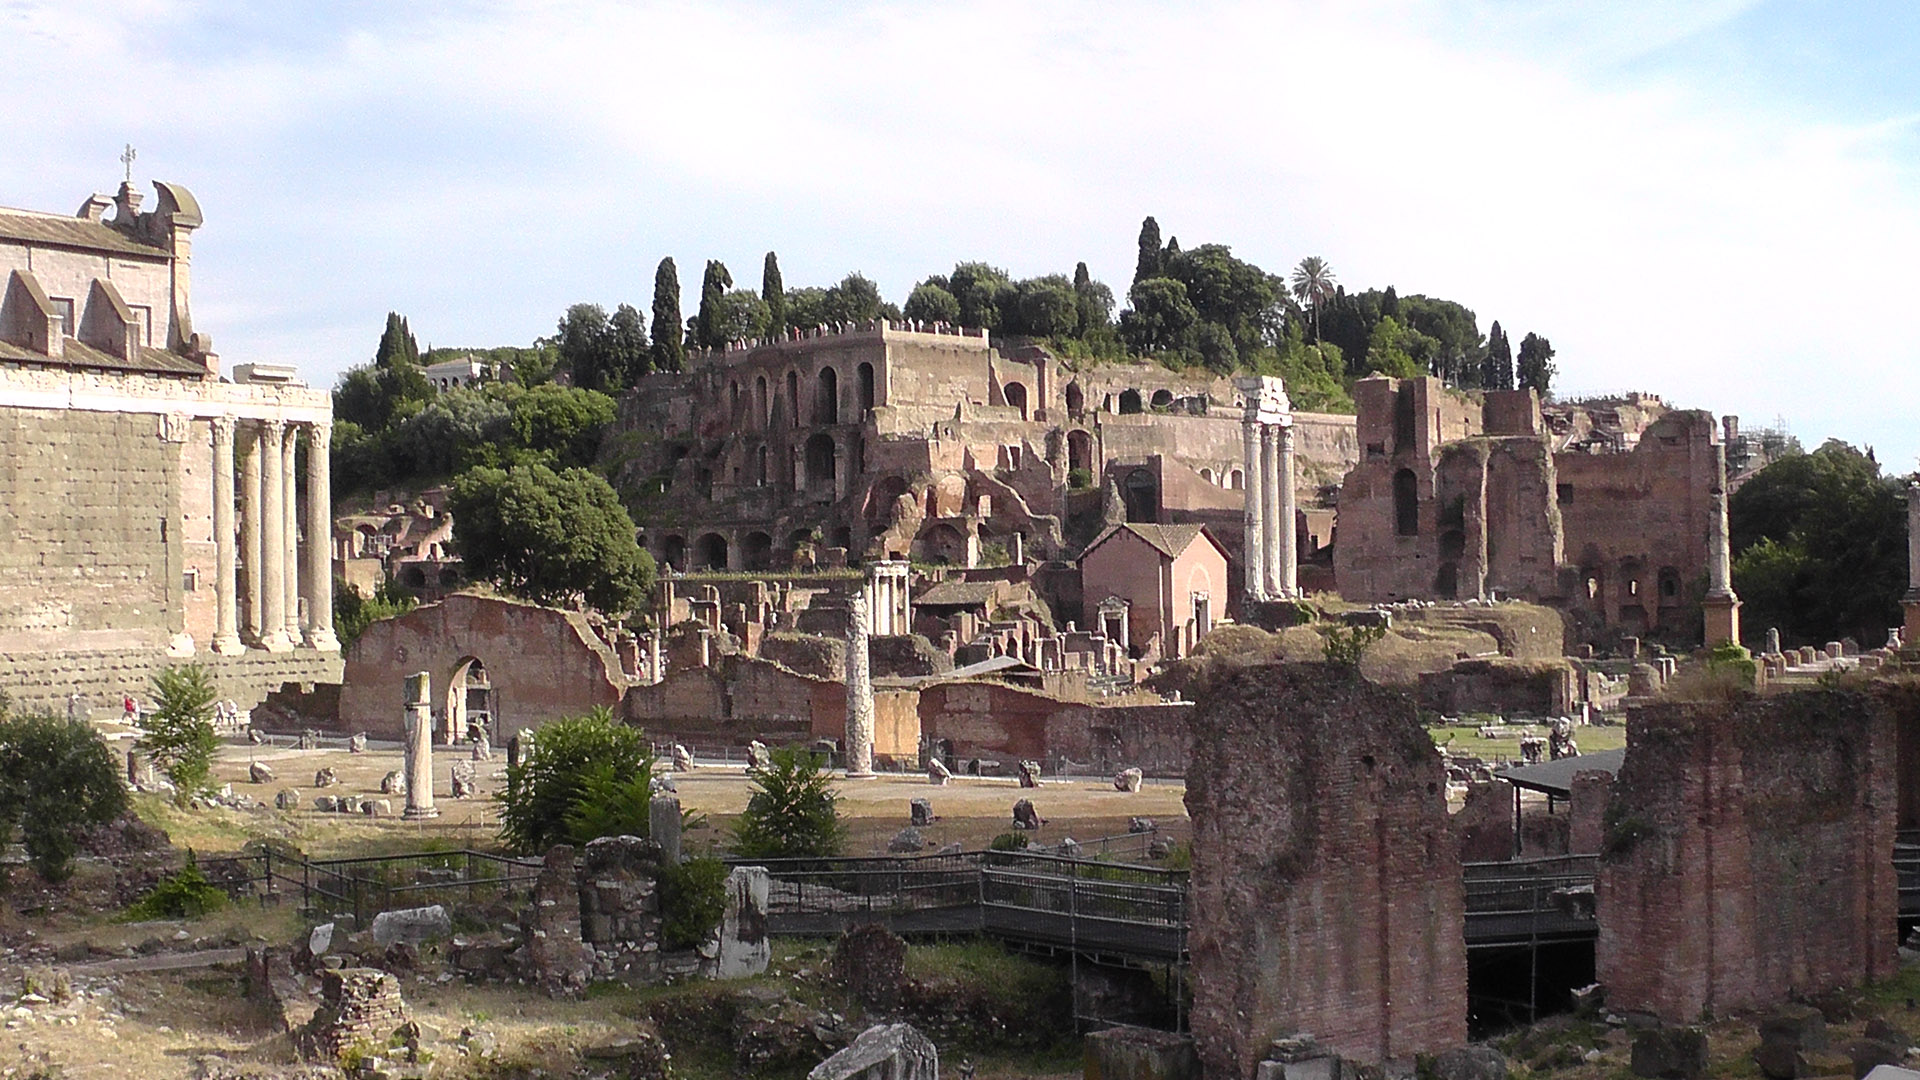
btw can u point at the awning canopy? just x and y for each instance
(1556, 777)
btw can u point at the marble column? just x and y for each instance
(1289, 548)
(1270, 505)
(290, 532)
(859, 733)
(1720, 607)
(419, 760)
(273, 544)
(226, 630)
(320, 539)
(1910, 604)
(250, 511)
(1253, 548)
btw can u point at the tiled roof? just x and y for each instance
(1168, 540)
(76, 355)
(76, 232)
(948, 593)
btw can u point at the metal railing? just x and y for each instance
(366, 886)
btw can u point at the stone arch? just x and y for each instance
(880, 500)
(1206, 473)
(710, 552)
(1080, 449)
(1130, 403)
(819, 461)
(943, 543)
(762, 408)
(1163, 399)
(469, 708)
(1016, 397)
(673, 551)
(865, 373)
(826, 396)
(413, 576)
(1406, 503)
(756, 551)
(1669, 586)
(793, 396)
(1142, 494)
(1236, 480)
(1076, 399)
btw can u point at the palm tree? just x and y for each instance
(1313, 285)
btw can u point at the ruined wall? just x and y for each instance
(1484, 823)
(1587, 811)
(733, 702)
(987, 719)
(543, 664)
(1749, 854)
(1103, 739)
(1500, 685)
(1327, 894)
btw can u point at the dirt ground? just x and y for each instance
(970, 811)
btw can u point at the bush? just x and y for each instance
(1345, 645)
(611, 805)
(56, 779)
(353, 613)
(184, 895)
(793, 813)
(1009, 841)
(180, 738)
(693, 898)
(554, 773)
(1079, 479)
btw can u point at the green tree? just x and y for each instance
(856, 299)
(392, 387)
(669, 344)
(980, 289)
(1452, 348)
(1397, 351)
(1535, 364)
(1043, 307)
(1161, 318)
(556, 771)
(931, 303)
(773, 291)
(1819, 544)
(1093, 303)
(353, 613)
(1313, 285)
(1497, 373)
(585, 348)
(1148, 265)
(710, 333)
(807, 307)
(550, 536)
(629, 356)
(180, 740)
(744, 316)
(560, 426)
(57, 778)
(793, 812)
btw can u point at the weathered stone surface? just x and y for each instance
(358, 1005)
(742, 947)
(663, 826)
(1870, 1054)
(870, 961)
(287, 799)
(325, 778)
(260, 773)
(1799, 1026)
(937, 772)
(682, 758)
(556, 958)
(1470, 1063)
(1025, 816)
(1670, 1053)
(415, 925)
(1303, 918)
(1136, 1053)
(1029, 774)
(1747, 854)
(883, 1052)
(1128, 780)
(907, 841)
(357, 743)
(394, 783)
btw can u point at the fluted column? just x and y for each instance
(250, 511)
(1253, 547)
(1270, 503)
(271, 567)
(226, 631)
(1289, 550)
(290, 532)
(320, 539)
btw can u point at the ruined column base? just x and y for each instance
(1723, 619)
(323, 640)
(1910, 626)
(421, 813)
(231, 645)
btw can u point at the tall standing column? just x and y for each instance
(1910, 632)
(226, 631)
(1720, 607)
(320, 539)
(273, 544)
(290, 531)
(1270, 503)
(419, 762)
(1253, 546)
(1289, 545)
(250, 511)
(859, 733)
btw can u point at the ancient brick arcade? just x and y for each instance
(1327, 893)
(1749, 854)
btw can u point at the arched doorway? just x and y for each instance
(865, 371)
(1406, 503)
(1142, 494)
(1016, 395)
(1076, 399)
(826, 397)
(820, 463)
(756, 551)
(710, 552)
(1130, 403)
(673, 552)
(1163, 399)
(1079, 450)
(470, 707)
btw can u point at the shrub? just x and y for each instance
(180, 738)
(1345, 645)
(793, 813)
(1009, 841)
(184, 895)
(555, 773)
(693, 898)
(1079, 479)
(611, 805)
(56, 779)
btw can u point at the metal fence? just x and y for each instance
(366, 886)
(1529, 900)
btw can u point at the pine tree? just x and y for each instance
(711, 330)
(1496, 371)
(669, 344)
(396, 343)
(774, 292)
(1149, 265)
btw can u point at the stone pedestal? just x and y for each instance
(1723, 619)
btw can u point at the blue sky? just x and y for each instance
(1714, 201)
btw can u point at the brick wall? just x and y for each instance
(1106, 739)
(1484, 823)
(1587, 812)
(1326, 884)
(1750, 854)
(43, 680)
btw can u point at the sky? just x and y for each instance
(1714, 201)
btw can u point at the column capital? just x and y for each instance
(273, 426)
(319, 437)
(223, 429)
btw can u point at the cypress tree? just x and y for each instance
(1497, 370)
(710, 333)
(1149, 264)
(1082, 281)
(774, 292)
(669, 344)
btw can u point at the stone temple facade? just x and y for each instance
(157, 511)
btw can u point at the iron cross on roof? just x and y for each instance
(126, 158)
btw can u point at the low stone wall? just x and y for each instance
(1502, 686)
(44, 680)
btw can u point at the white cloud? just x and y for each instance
(1559, 169)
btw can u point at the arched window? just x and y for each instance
(762, 408)
(826, 397)
(793, 397)
(1237, 480)
(1016, 396)
(820, 470)
(866, 388)
(756, 550)
(1163, 399)
(1130, 402)
(1076, 399)
(673, 552)
(710, 553)
(1406, 503)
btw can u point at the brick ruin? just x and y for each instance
(1327, 894)
(1749, 854)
